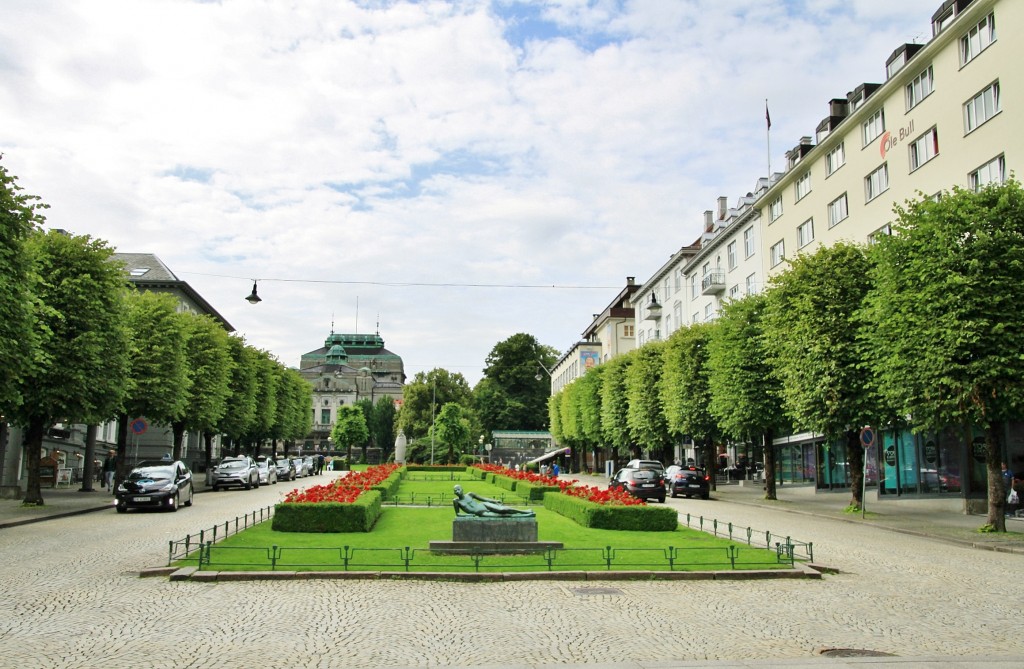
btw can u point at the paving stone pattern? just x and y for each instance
(72, 598)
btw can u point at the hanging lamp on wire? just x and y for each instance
(253, 298)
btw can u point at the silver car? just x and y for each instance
(268, 470)
(241, 471)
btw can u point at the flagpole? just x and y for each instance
(768, 140)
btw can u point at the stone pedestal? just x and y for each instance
(472, 534)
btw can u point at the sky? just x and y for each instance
(445, 173)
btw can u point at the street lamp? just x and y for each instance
(253, 297)
(542, 366)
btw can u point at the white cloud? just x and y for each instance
(329, 148)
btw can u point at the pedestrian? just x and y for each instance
(320, 463)
(554, 470)
(1007, 478)
(109, 470)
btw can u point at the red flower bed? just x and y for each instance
(589, 493)
(344, 490)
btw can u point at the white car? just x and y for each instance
(241, 471)
(268, 470)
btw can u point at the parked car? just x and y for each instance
(241, 471)
(285, 469)
(688, 481)
(646, 464)
(309, 464)
(642, 483)
(156, 484)
(300, 468)
(268, 470)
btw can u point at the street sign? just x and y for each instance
(139, 426)
(867, 437)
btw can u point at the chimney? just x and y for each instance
(709, 221)
(723, 204)
(630, 280)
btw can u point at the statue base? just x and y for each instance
(473, 534)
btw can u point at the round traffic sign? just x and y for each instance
(867, 437)
(139, 425)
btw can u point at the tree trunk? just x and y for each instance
(122, 449)
(88, 466)
(207, 449)
(769, 465)
(33, 445)
(711, 458)
(996, 493)
(855, 456)
(178, 430)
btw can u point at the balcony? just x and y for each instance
(712, 283)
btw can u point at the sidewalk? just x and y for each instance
(906, 516)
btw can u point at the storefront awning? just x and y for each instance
(548, 456)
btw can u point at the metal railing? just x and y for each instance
(797, 550)
(183, 549)
(407, 559)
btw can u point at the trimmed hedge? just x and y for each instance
(604, 517)
(534, 491)
(360, 516)
(388, 488)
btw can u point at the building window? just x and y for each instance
(837, 211)
(677, 310)
(873, 127)
(835, 159)
(977, 39)
(751, 284)
(775, 209)
(627, 331)
(734, 291)
(748, 242)
(325, 416)
(678, 276)
(992, 172)
(805, 233)
(883, 231)
(876, 183)
(709, 311)
(982, 107)
(919, 88)
(694, 287)
(923, 149)
(730, 254)
(803, 187)
(777, 252)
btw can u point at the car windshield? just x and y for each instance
(644, 474)
(154, 473)
(263, 464)
(233, 464)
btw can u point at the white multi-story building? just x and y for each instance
(945, 116)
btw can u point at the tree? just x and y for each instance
(293, 408)
(615, 405)
(208, 363)
(424, 396)
(452, 432)
(511, 396)
(811, 336)
(241, 413)
(645, 415)
(592, 432)
(349, 429)
(382, 425)
(81, 370)
(19, 217)
(745, 395)
(947, 323)
(159, 374)
(267, 377)
(686, 389)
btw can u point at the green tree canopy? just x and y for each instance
(81, 370)
(615, 405)
(745, 394)
(645, 415)
(350, 429)
(452, 432)
(686, 388)
(208, 362)
(426, 394)
(241, 413)
(19, 217)
(511, 396)
(947, 325)
(811, 330)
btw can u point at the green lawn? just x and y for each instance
(404, 533)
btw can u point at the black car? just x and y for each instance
(285, 469)
(689, 481)
(156, 484)
(642, 483)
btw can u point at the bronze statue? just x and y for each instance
(475, 505)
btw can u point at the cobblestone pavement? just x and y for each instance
(72, 598)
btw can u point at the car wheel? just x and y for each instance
(256, 483)
(121, 508)
(216, 488)
(706, 495)
(191, 494)
(248, 484)
(172, 503)
(674, 494)
(662, 499)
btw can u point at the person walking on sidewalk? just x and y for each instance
(109, 469)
